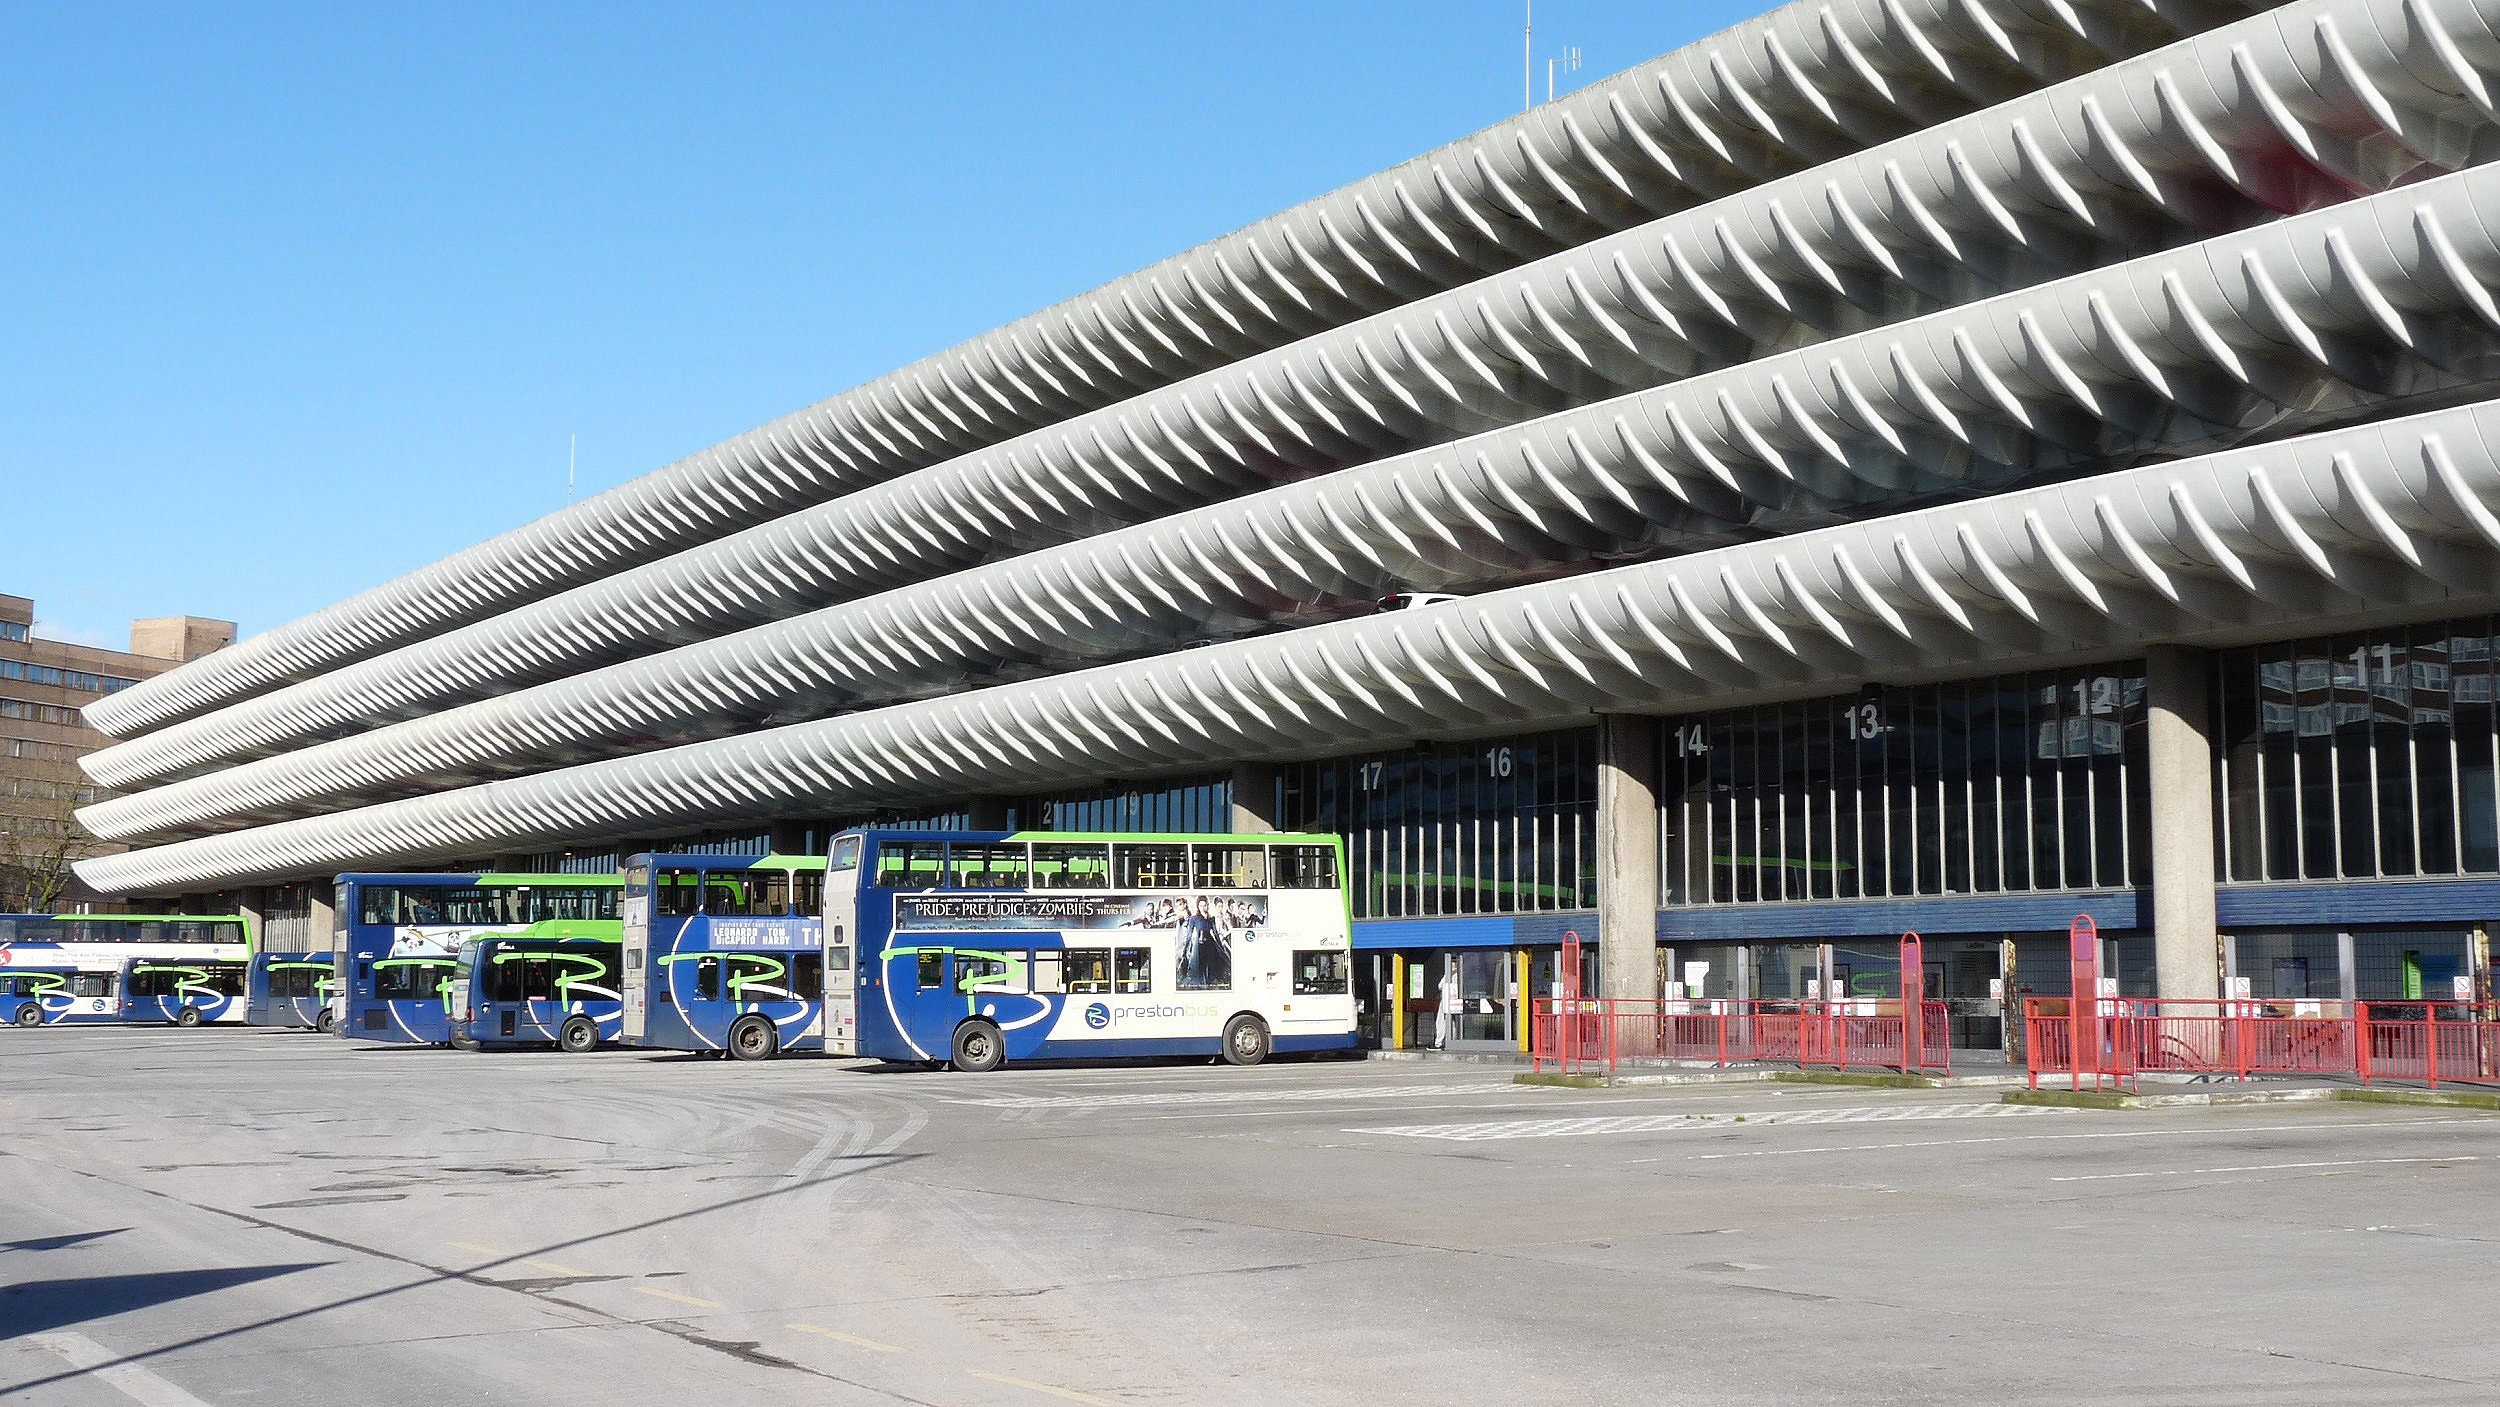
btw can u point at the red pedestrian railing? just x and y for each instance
(1598, 1034)
(2125, 1038)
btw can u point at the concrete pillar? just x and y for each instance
(2179, 773)
(1254, 798)
(792, 838)
(321, 918)
(2347, 969)
(1627, 856)
(988, 813)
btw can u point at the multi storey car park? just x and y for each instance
(1936, 464)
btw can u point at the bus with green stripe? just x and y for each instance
(71, 969)
(289, 990)
(725, 954)
(556, 984)
(400, 937)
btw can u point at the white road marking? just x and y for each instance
(1291, 1093)
(105, 1366)
(1681, 1123)
(2225, 1131)
(2263, 1167)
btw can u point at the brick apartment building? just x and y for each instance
(43, 683)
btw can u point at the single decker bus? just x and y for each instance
(557, 984)
(725, 954)
(68, 968)
(401, 936)
(289, 990)
(976, 948)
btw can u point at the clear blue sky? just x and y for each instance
(296, 298)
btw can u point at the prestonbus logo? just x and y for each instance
(1098, 1016)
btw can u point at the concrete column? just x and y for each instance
(987, 813)
(2179, 773)
(1254, 797)
(1627, 856)
(790, 838)
(2347, 969)
(321, 914)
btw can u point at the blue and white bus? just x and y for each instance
(725, 954)
(558, 984)
(289, 990)
(976, 948)
(182, 991)
(400, 936)
(68, 968)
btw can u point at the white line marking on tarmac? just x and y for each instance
(1289, 1094)
(1681, 1123)
(2226, 1131)
(2263, 1167)
(1029, 1384)
(105, 1366)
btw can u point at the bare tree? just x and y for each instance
(40, 838)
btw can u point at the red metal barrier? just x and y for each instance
(1597, 1035)
(2125, 1038)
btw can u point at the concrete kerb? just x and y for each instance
(1865, 1079)
(2306, 1094)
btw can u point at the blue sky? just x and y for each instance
(296, 298)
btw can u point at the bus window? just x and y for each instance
(807, 893)
(1232, 866)
(845, 857)
(1150, 866)
(1319, 974)
(707, 979)
(1060, 866)
(679, 892)
(1134, 973)
(838, 952)
(1045, 974)
(407, 981)
(932, 971)
(911, 864)
(597, 903)
(756, 894)
(1087, 969)
(983, 974)
(986, 867)
(377, 904)
(807, 976)
(1306, 866)
(92, 984)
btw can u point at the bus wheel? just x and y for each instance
(189, 1016)
(578, 1035)
(461, 1042)
(326, 1022)
(979, 1048)
(28, 1015)
(1245, 1041)
(754, 1038)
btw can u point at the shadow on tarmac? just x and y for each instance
(37, 1305)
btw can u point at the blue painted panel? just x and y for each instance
(1814, 920)
(2358, 903)
(1418, 935)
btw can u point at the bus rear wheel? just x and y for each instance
(1245, 1041)
(979, 1048)
(326, 1022)
(753, 1038)
(461, 1042)
(578, 1035)
(29, 1015)
(188, 1016)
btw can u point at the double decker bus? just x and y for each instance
(400, 937)
(976, 948)
(68, 968)
(182, 991)
(289, 990)
(725, 954)
(559, 984)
